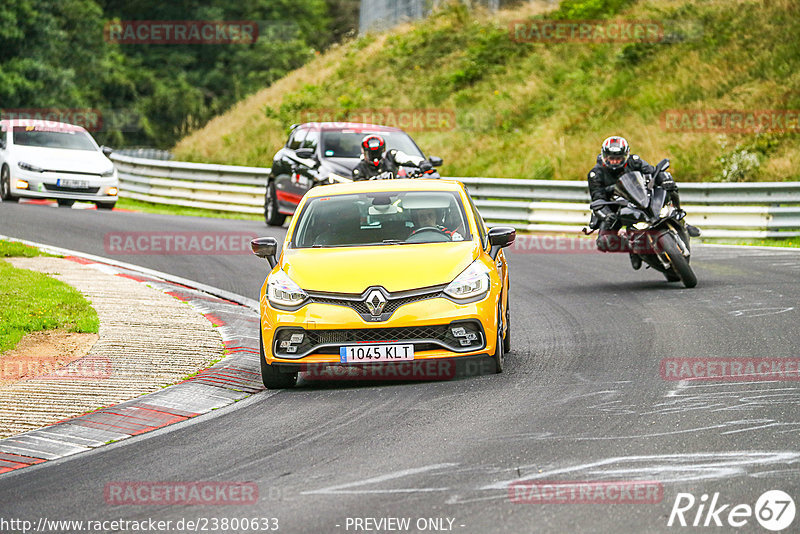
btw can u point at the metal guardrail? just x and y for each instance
(742, 210)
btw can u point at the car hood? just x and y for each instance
(395, 267)
(59, 159)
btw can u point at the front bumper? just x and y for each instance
(427, 324)
(46, 185)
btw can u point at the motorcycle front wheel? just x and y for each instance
(678, 261)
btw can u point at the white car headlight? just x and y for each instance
(472, 282)
(28, 167)
(283, 291)
(109, 172)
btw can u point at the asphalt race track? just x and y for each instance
(582, 399)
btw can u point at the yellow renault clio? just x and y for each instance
(383, 273)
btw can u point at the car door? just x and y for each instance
(283, 170)
(305, 169)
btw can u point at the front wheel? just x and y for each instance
(271, 214)
(65, 203)
(5, 186)
(105, 205)
(271, 376)
(499, 355)
(678, 261)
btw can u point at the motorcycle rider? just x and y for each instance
(613, 161)
(376, 160)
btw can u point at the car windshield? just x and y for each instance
(53, 138)
(381, 218)
(347, 143)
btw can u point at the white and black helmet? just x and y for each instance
(614, 153)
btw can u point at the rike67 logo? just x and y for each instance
(774, 510)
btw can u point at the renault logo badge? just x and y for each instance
(375, 302)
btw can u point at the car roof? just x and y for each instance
(6, 123)
(370, 186)
(347, 126)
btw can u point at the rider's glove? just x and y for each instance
(425, 166)
(610, 188)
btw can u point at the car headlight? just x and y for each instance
(283, 291)
(472, 282)
(109, 172)
(28, 167)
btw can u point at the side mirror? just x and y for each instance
(436, 161)
(107, 150)
(305, 153)
(663, 165)
(501, 237)
(265, 248)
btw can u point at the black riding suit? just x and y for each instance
(366, 169)
(601, 187)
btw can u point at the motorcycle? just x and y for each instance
(654, 228)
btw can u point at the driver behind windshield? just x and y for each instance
(433, 218)
(375, 160)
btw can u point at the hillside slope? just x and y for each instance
(540, 110)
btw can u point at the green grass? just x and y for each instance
(791, 242)
(31, 301)
(9, 249)
(539, 110)
(164, 209)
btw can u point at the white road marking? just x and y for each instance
(342, 488)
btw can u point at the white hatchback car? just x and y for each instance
(43, 159)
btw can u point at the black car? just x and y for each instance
(318, 153)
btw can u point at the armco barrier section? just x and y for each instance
(725, 210)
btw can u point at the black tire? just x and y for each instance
(105, 205)
(271, 214)
(671, 276)
(5, 186)
(271, 376)
(499, 355)
(65, 203)
(677, 260)
(507, 337)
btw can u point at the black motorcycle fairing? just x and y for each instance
(631, 186)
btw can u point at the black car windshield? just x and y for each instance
(381, 218)
(347, 143)
(53, 138)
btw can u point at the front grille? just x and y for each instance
(422, 337)
(53, 187)
(360, 306)
(393, 301)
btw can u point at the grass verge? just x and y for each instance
(31, 301)
(165, 209)
(9, 249)
(790, 242)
